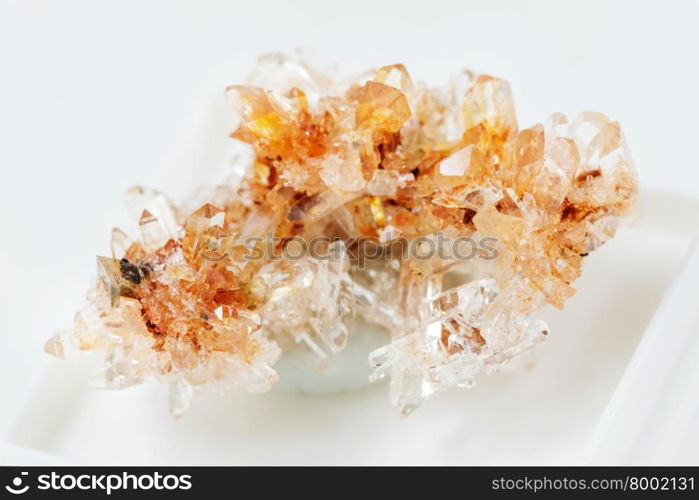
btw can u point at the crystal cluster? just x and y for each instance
(203, 299)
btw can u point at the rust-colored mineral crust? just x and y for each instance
(203, 299)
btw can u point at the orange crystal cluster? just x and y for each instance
(379, 157)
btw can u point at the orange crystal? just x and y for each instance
(198, 300)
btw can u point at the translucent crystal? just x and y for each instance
(382, 107)
(158, 206)
(198, 230)
(120, 244)
(281, 73)
(397, 76)
(180, 397)
(327, 225)
(489, 102)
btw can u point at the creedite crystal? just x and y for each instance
(380, 157)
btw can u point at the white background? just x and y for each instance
(98, 96)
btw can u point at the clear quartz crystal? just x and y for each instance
(309, 301)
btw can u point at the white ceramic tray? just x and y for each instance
(617, 381)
